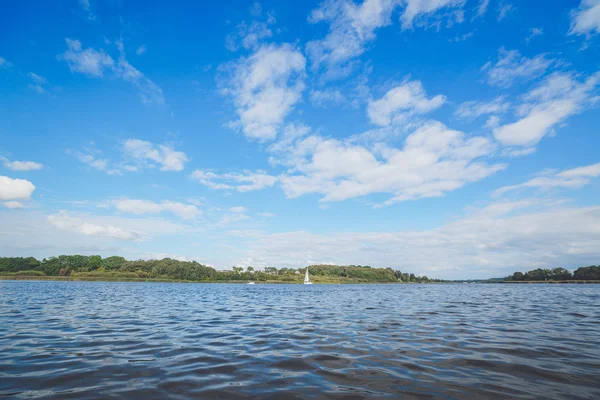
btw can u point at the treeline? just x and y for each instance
(115, 267)
(591, 273)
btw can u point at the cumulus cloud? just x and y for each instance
(65, 222)
(570, 179)
(474, 109)
(585, 20)
(511, 67)
(15, 189)
(21, 165)
(163, 155)
(141, 207)
(401, 102)
(433, 161)
(559, 96)
(238, 209)
(242, 182)
(265, 87)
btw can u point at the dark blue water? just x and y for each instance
(153, 340)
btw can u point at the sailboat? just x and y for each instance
(306, 279)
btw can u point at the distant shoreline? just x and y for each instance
(143, 280)
(271, 282)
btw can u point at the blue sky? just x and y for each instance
(448, 138)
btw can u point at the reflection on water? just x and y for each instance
(154, 340)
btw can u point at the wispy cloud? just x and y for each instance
(21, 165)
(142, 207)
(558, 97)
(474, 109)
(64, 222)
(570, 178)
(511, 67)
(585, 20)
(149, 154)
(242, 182)
(96, 63)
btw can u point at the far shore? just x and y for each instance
(319, 280)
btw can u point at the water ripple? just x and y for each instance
(133, 340)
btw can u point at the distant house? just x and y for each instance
(225, 270)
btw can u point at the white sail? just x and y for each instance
(306, 279)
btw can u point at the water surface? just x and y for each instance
(163, 340)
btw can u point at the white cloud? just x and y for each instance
(15, 189)
(229, 219)
(13, 204)
(64, 222)
(141, 207)
(146, 152)
(95, 63)
(533, 32)
(550, 103)
(586, 19)
(93, 161)
(571, 179)
(251, 35)
(491, 242)
(483, 5)
(416, 8)
(21, 165)
(401, 102)
(4, 63)
(141, 50)
(323, 98)
(504, 10)
(433, 161)
(150, 93)
(242, 182)
(511, 67)
(238, 209)
(88, 62)
(351, 28)
(87, 9)
(474, 109)
(265, 87)
(266, 214)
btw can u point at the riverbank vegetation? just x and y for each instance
(590, 273)
(79, 267)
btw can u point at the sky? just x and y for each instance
(448, 138)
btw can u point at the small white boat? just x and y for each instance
(250, 283)
(306, 279)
